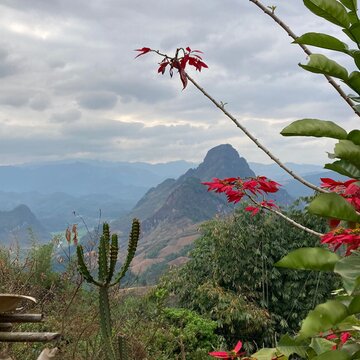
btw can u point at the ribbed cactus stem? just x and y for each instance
(123, 352)
(105, 321)
(107, 259)
(132, 246)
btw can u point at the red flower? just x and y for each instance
(143, 51)
(254, 210)
(350, 238)
(233, 354)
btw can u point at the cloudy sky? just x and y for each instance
(70, 87)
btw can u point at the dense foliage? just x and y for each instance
(231, 277)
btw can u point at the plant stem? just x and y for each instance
(331, 81)
(291, 221)
(256, 141)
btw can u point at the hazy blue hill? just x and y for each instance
(125, 180)
(275, 172)
(53, 191)
(296, 189)
(16, 225)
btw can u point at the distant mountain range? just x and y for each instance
(168, 198)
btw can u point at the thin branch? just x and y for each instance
(251, 137)
(331, 81)
(291, 221)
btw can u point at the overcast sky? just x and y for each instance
(70, 87)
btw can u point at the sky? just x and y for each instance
(71, 88)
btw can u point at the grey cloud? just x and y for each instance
(97, 100)
(66, 116)
(7, 65)
(40, 102)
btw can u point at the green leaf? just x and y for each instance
(309, 259)
(333, 206)
(320, 64)
(356, 56)
(349, 270)
(330, 10)
(322, 40)
(353, 81)
(314, 127)
(345, 168)
(288, 346)
(321, 345)
(347, 150)
(265, 354)
(333, 355)
(354, 31)
(354, 136)
(350, 4)
(354, 306)
(322, 318)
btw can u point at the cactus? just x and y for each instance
(107, 259)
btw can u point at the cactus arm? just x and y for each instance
(102, 260)
(84, 271)
(132, 245)
(113, 254)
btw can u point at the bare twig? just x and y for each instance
(331, 81)
(291, 221)
(256, 141)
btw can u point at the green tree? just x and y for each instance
(231, 276)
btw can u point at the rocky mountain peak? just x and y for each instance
(221, 161)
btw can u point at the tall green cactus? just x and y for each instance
(107, 259)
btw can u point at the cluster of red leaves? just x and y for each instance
(350, 238)
(340, 340)
(338, 236)
(233, 354)
(182, 58)
(72, 232)
(236, 188)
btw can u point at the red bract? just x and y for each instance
(233, 354)
(344, 337)
(143, 51)
(350, 238)
(254, 210)
(182, 58)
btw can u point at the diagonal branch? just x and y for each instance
(291, 221)
(256, 141)
(331, 81)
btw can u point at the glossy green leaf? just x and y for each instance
(265, 354)
(323, 318)
(314, 127)
(288, 346)
(350, 4)
(333, 206)
(320, 64)
(330, 10)
(354, 31)
(356, 56)
(349, 270)
(333, 355)
(343, 167)
(354, 136)
(347, 150)
(309, 259)
(321, 345)
(322, 40)
(354, 81)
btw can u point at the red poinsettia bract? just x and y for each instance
(236, 188)
(350, 238)
(182, 58)
(233, 354)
